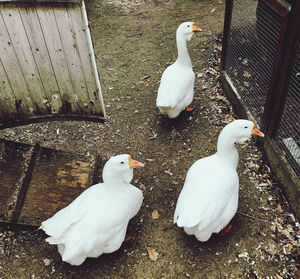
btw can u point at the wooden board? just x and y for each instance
(47, 67)
(39, 50)
(32, 82)
(36, 182)
(13, 166)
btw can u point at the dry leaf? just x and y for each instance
(155, 214)
(150, 160)
(278, 210)
(222, 98)
(152, 254)
(246, 74)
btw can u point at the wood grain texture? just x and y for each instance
(44, 57)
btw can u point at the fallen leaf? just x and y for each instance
(222, 98)
(153, 255)
(245, 145)
(278, 210)
(246, 74)
(155, 214)
(150, 160)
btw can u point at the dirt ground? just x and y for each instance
(134, 42)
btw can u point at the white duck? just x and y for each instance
(176, 90)
(96, 221)
(209, 198)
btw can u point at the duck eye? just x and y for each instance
(246, 127)
(122, 163)
(188, 26)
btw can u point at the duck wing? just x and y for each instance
(63, 219)
(176, 82)
(102, 230)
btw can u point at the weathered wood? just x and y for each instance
(47, 65)
(73, 62)
(57, 179)
(13, 70)
(94, 104)
(7, 100)
(19, 39)
(39, 50)
(40, 1)
(57, 56)
(13, 165)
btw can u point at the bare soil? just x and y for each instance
(134, 42)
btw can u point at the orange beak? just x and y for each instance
(195, 28)
(256, 132)
(134, 164)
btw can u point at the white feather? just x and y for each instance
(96, 221)
(176, 90)
(209, 198)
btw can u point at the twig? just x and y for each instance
(254, 218)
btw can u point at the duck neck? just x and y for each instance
(183, 54)
(110, 178)
(226, 148)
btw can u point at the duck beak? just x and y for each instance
(195, 28)
(256, 132)
(134, 164)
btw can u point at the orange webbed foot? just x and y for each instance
(127, 237)
(226, 229)
(189, 109)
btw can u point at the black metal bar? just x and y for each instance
(286, 67)
(273, 87)
(226, 30)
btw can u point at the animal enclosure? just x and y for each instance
(47, 63)
(261, 75)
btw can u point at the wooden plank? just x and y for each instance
(39, 50)
(13, 70)
(41, 1)
(12, 172)
(80, 31)
(70, 47)
(7, 98)
(17, 34)
(57, 179)
(57, 56)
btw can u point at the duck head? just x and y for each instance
(241, 130)
(187, 29)
(120, 168)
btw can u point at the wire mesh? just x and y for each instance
(253, 39)
(288, 133)
(252, 45)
